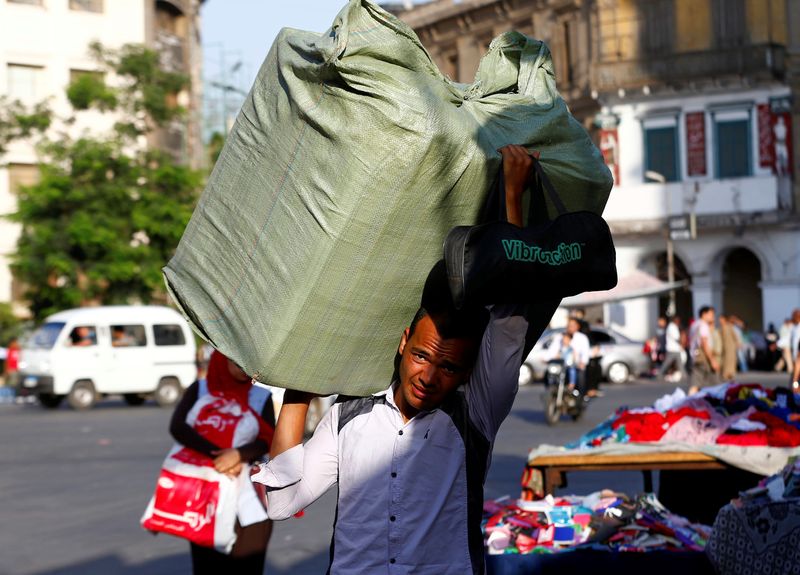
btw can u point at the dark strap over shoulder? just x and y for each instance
(352, 407)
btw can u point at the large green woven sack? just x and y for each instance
(349, 162)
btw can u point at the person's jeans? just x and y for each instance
(741, 354)
(673, 359)
(577, 377)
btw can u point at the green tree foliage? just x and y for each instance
(107, 213)
(18, 122)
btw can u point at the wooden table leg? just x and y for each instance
(647, 474)
(553, 479)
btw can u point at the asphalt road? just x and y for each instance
(74, 485)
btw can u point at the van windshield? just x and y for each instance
(45, 337)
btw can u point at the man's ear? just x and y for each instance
(404, 340)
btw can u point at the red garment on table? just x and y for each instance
(778, 433)
(648, 427)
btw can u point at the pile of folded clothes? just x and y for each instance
(604, 520)
(758, 533)
(727, 414)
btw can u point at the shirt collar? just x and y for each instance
(389, 394)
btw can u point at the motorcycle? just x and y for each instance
(559, 397)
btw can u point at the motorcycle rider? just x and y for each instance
(581, 352)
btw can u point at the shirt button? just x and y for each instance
(400, 432)
(392, 518)
(391, 560)
(394, 474)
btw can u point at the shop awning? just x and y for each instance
(631, 286)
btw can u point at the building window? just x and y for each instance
(661, 151)
(25, 83)
(22, 175)
(728, 17)
(86, 5)
(732, 136)
(75, 75)
(658, 28)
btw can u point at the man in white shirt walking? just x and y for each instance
(705, 367)
(673, 358)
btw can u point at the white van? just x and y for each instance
(83, 354)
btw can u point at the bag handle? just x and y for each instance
(548, 185)
(499, 189)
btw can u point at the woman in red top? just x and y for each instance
(226, 379)
(12, 361)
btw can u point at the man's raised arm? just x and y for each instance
(297, 475)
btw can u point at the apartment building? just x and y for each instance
(44, 45)
(694, 105)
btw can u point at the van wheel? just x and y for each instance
(50, 400)
(82, 396)
(168, 392)
(134, 398)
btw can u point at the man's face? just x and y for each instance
(573, 326)
(431, 367)
(796, 316)
(710, 317)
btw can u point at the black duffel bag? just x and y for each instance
(498, 262)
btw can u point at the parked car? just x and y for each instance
(622, 357)
(84, 354)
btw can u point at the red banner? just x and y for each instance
(766, 141)
(609, 147)
(696, 144)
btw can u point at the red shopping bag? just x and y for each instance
(193, 501)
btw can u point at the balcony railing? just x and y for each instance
(763, 61)
(643, 208)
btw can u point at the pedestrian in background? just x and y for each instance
(11, 366)
(705, 366)
(730, 347)
(661, 341)
(673, 352)
(786, 362)
(744, 345)
(227, 380)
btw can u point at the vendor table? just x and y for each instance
(545, 473)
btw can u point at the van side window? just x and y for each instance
(169, 335)
(128, 336)
(83, 336)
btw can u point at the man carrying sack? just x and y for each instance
(410, 461)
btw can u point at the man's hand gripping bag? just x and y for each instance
(498, 262)
(351, 159)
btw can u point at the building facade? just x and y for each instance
(45, 43)
(693, 104)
